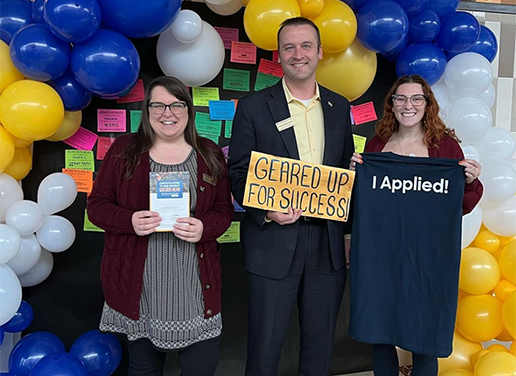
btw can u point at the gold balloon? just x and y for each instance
(21, 143)
(460, 358)
(70, 125)
(457, 372)
(310, 8)
(505, 336)
(504, 240)
(507, 261)
(512, 349)
(487, 241)
(350, 72)
(6, 148)
(338, 26)
(496, 363)
(21, 164)
(477, 356)
(503, 289)
(479, 271)
(479, 317)
(509, 314)
(8, 72)
(497, 347)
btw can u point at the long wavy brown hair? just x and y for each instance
(145, 137)
(433, 127)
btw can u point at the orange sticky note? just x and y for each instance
(242, 52)
(363, 113)
(103, 145)
(83, 179)
(270, 67)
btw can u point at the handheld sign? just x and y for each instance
(275, 183)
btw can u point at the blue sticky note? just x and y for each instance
(222, 110)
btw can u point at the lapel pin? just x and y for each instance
(330, 104)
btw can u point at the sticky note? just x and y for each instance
(135, 118)
(275, 56)
(79, 160)
(222, 110)
(203, 95)
(264, 80)
(271, 68)
(228, 35)
(243, 52)
(88, 226)
(111, 120)
(83, 139)
(363, 113)
(227, 129)
(236, 79)
(204, 125)
(103, 145)
(360, 142)
(232, 234)
(83, 179)
(225, 151)
(212, 137)
(137, 94)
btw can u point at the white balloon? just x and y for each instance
(468, 74)
(495, 144)
(488, 96)
(9, 243)
(56, 192)
(499, 180)
(194, 63)
(217, 2)
(471, 223)
(443, 95)
(40, 271)
(10, 192)
(187, 27)
(470, 117)
(25, 216)
(470, 152)
(500, 217)
(57, 234)
(10, 294)
(225, 9)
(27, 257)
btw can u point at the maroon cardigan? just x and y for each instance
(111, 205)
(448, 148)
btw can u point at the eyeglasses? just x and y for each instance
(416, 99)
(158, 108)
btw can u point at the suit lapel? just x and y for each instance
(329, 123)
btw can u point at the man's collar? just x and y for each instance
(290, 97)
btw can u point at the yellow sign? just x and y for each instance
(275, 183)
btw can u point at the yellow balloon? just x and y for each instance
(6, 148)
(496, 363)
(338, 26)
(310, 8)
(504, 240)
(21, 164)
(70, 125)
(31, 110)
(477, 356)
(457, 372)
(479, 317)
(479, 271)
(498, 347)
(507, 261)
(503, 289)
(487, 241)
(350, 72)
(460, 358)
(505, 336)
(245, 2)
(20, 143)
(512, 349)
(8, 72)
(462, 294)
(509, 314)
(262, 19)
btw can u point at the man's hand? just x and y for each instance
(285, 218)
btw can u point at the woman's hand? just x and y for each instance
(188, 229)
(355, 158)
(472, 169)
(145, 222)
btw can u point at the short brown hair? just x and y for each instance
(298, 21)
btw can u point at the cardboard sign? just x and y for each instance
(275, 183)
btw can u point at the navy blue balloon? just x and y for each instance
(37, 11)
(393, 54)
(107, 64)
(31, 349)
(424, 27)
(60, 364)
(74, 96)
(7, 374)
(412, 7)
(38, 54)
(443, 8)
(21, 319)
(355, 4)
(458, 33)
(486, 45)
(139, 19)
(1, 334)
(100, 353)
(72, 20)
(382, 25)
(427, 60)
(14, 14)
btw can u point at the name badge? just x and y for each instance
(285, 124)
(208, 179)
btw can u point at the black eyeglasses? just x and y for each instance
(400, 100)
(158, 108)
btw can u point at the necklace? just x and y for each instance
(409, 148)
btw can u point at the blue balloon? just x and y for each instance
(412, 7)
(443, 8)
(486, 45)
(393, 54)
(458, 33)
(139, 19)
(74, 96)
(72, 20)
(60, 364)
(38, 54)
(100, 353)
(21, 319)
(107, 64)
(31, 349)
(382, 25)
(37, 11)
(14, 15)
(1, 334)
(425, 59)
(7, 374)
(355, 4)
(424, 27)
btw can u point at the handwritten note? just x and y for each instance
(111, 120)
(264, 80)
(236, 79)
(79, 160)
(222, 110)
(205, 126)
(203, 95)
(83, 179)
(271, 68)
(83, 139)
(360, 142)
(136, 117)
(363, 113)
(137, 94)
(103, 145)
(242, 52)
(228, 35)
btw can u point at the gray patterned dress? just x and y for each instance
(171, 305)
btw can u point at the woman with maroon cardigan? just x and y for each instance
(411, 126)
(162, 289)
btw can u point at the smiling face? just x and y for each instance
(167, 126)
(407, 114)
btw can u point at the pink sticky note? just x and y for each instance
(111, 120)
(225, 151)
(270, 67)
(103, 145)
(137, 94)
(275, 56)
(242, 52)
(228, 35)
(363, 113)
(83, 139)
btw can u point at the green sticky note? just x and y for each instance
(265, 80)
(79, 160)
(88, 226)
(236, 79)
(210, 137)
(232, 234)
(203, 95)
(360, 142)
(228, 128)
(205, 125)
(136, 117)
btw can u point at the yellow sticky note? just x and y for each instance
(232, 234)
(360, 142)
(203, 95)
